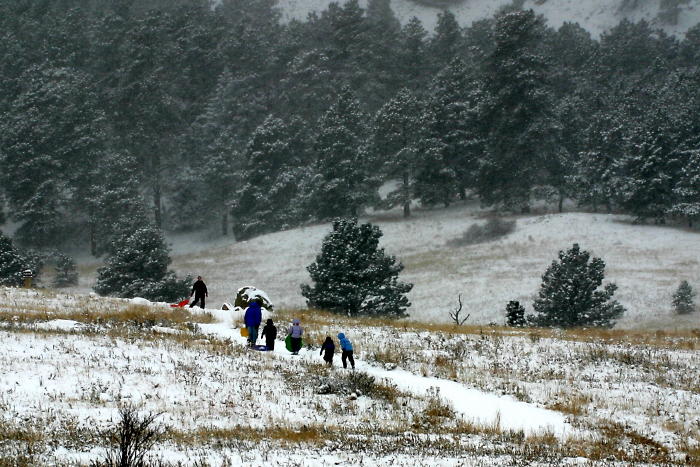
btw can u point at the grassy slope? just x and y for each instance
(632, 396)
(647, 262)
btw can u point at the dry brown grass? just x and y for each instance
(678, 339)
(139, 315)
(570, 402)
(310, 435)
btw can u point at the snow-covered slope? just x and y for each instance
(647, 262)
(419, 395)
(594, 15)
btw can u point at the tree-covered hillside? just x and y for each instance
(189, 115)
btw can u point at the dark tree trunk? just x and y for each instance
(93, 240)
(224, 222)
(406, 196)
(157, 194)
(157, 213)
(561, 202)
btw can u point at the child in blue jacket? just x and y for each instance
(346, 348)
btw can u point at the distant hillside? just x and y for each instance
(647, 263)
(674, 16)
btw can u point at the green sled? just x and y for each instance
(288, 343)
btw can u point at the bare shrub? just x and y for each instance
(131, 439)
(358, 383)
(493, 229)
(435, 413)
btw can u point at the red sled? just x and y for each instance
(181, 304)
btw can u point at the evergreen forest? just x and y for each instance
(184, 115)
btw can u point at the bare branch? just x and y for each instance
(454, 315)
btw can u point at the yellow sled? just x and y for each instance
(244, 332)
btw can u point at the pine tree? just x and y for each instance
(344, 179)
(353, 275)
(396, 131)
(12, 263)
(49, 140)
(436, 181)
(308, 87)
(519, 114)
(687, 189)
(445, 45)
(683, 299)
(66, 271)
(569, 297)
(274, 157)
(455, 101)
(138, 267)
(412, 57)
(515, 314)
(647, 175)
(113, 201)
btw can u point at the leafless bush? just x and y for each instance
(131, 439)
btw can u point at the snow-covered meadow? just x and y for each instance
(647, 262)
(420, 394)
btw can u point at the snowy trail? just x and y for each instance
(478, 406)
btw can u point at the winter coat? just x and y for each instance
(329, 347)
(295, 330)
(253, 315)
(269, 332)
(199, 287)
(345, 343)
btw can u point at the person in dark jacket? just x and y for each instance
(295, 331)
(329, 348)
(199, 290)
(346, 354)
(253, 317)
(269, 332)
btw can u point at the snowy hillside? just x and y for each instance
(647, 262)
(418, 396)
(594, 15)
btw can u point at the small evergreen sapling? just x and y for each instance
(568, 295)
(353, 275)
(515, 314)
(683, 299)
(138, 267)
(12, 263)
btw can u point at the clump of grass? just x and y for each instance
(435, 413)
(570, 402)
(493, 229)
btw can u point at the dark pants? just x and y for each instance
(347, 355)
(270, 344)
(328, 357)
(198, 297)
(296, 344)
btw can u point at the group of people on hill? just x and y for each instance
(253, 319)
(328, 348)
